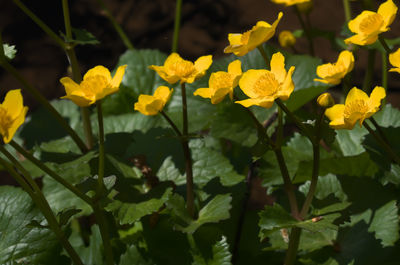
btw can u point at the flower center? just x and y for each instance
(223, 81)
(5, 121)
(356, 106)
(94, 85)
(371, 24)
(182, 68)
(266, 85)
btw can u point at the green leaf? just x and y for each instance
(326, 185)
(9, 51)
(83, 37)
(168, 171)
(350, 141)
(66, 214)
(209, 163)
(20, 242)
(385, 224)
(91, 254)
(388, 116)
(392, 176)
(336, 207)
(133, 256)
(221, 254)
(214, 211)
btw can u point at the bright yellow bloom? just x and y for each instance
(358, 107)
(221, 83)
(152, 105)
(263, 86)
(241, 44)
(333, 73)
(97, 83)
(175, 68)
(368, 25)
(290, 2)
(325, 100)
(12, 114)
(394, 59)
(286, 39)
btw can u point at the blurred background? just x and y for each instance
(205, 26)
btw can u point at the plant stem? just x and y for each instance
(168, 119)
(41, 202)
(379, 129)
(50, 172)
(188, 157)
(177, 24)
(385, 70)
(40, 23)
(384, 44)
(370, 71)
(264, 55)
(76, 73)
(387, 148)
(100, 187)
(347, 10)
(36, 94)
(105, 235)
(306, 31)
(294, 240)
(117, 27)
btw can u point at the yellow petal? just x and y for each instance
(287, 86)
(356, 94)
(361, 39)
(376, 97)
(98, 70)
(278, 66)
(395, 70)
(262, 102)
(163, 93)
(204, 92)
(354, 24)
(69, 85)
(81, 101)
(202, 64)
(347, 59)
(15, 125)
(235, 68)
(249, 82)
(235, 38)
(161, 72)
(336, 115)
(119, 74)
(149, 105)
(219, 95)
(388, 12)
(394, 58)
(262, 33)
(13, 103)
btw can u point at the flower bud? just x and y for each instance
(325, 100)
(286, 39)
(305, 7)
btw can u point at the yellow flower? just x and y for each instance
(12, 114)
(241, 44)
(152, 105)
(263, 86)
(325, 100)
(357, 107)
(290, 2)
(286, 39)
(175, 68)
(368, 25)
(394, 59)
(221, 83)
(97, 83)
(333, 73)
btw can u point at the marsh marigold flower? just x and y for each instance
(333, 73)
(12, 114)
(153, 104)
(368, 25)
(357, 107)
(97, 83)
(286, 39)
(325, 100)
(263, 86)
(290, 2)
(241, 44)
(394, 59)
(177, 69)
(221, 83)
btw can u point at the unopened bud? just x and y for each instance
(326, 100)
(305, 7)
(286, 39)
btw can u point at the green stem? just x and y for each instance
(347, 10)
(379, 129)
(41, 202)
(387, 148)
(370, 71)
(177, 24)
(264, 55)
(117, 27)
(104, 231)
(36, 94)
(384, 44)
(385, 70)
(67, 21)
(188, 157)
(279, 136)
(294, 240)
(50, 172)
(40, 23)
(100, 187)
(174, 127)
(306, 31)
